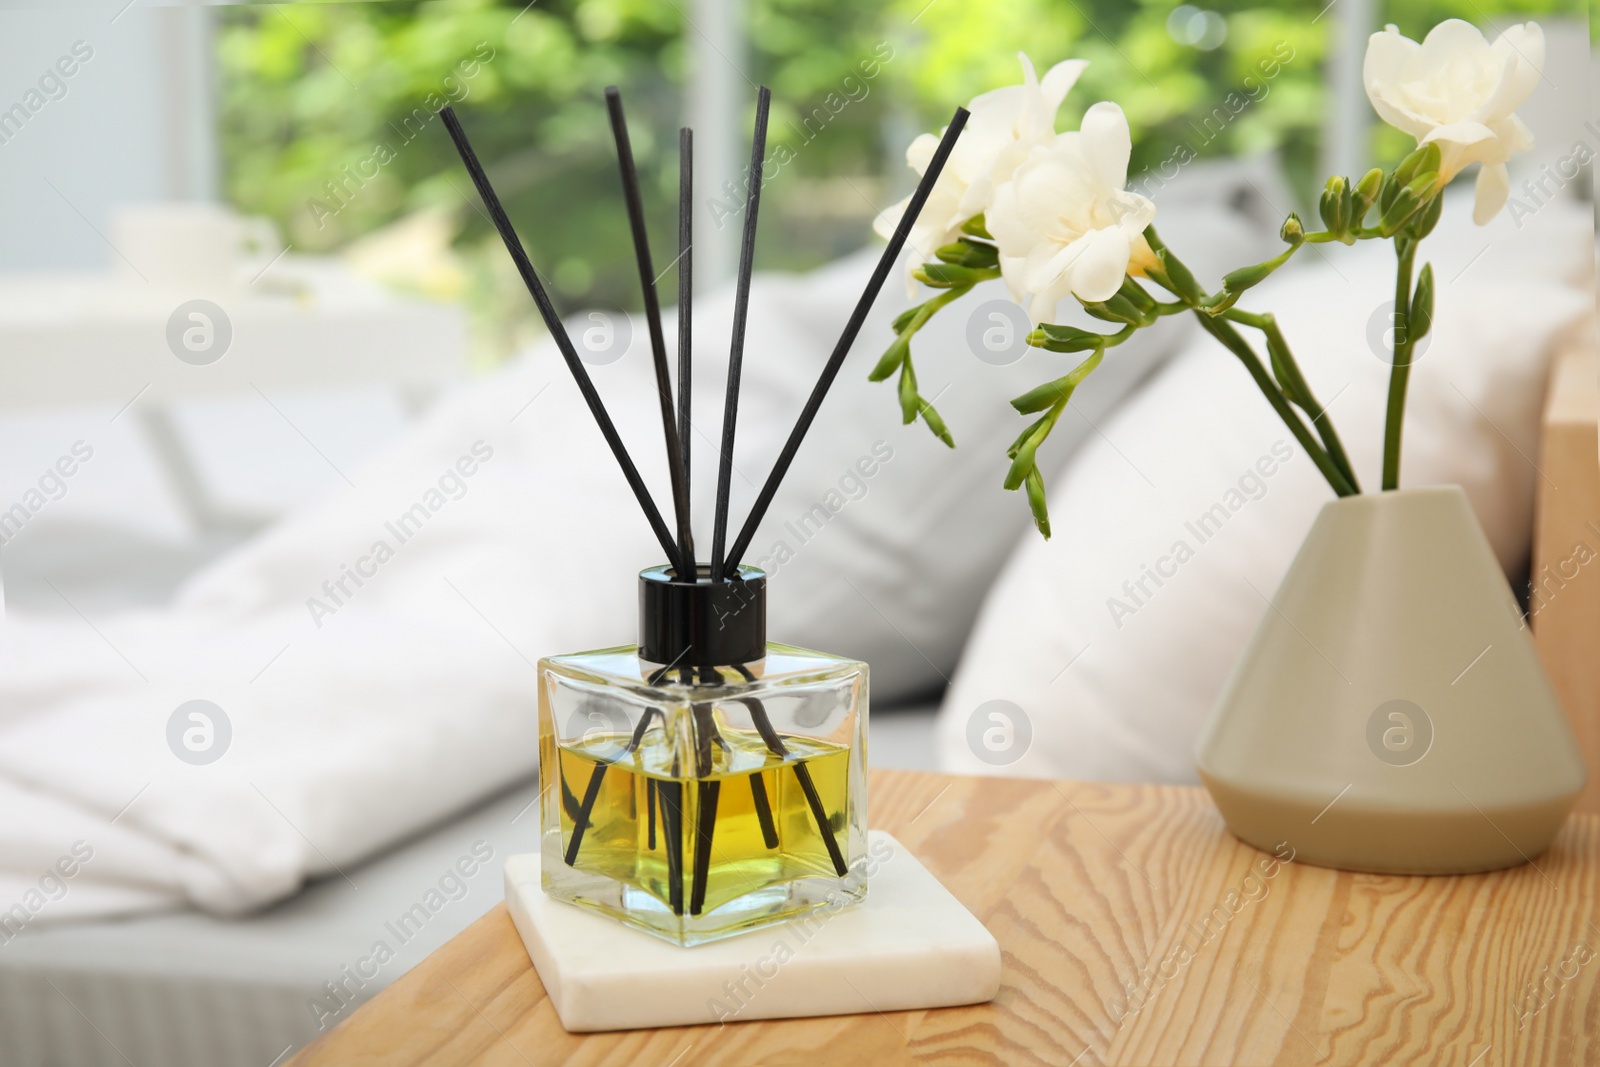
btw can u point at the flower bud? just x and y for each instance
(1179, 276)
(1427, 218)
(1055, 338)
(1247, 277)
(1420, 161)
(1135, 294)
(1293, 232)
(1420, 321)
(968, 253)
(1332, 205)
(946, 275)
(1404, 205)
(908, 395)
(1366, 194)
(1036, 502)
(1118, 308)
(897, 353)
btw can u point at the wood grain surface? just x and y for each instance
(1093, 890)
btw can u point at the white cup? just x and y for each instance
(200, 248)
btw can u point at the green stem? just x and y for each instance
(1267, 323)
(1400, 372)
(930, 306)
(1236, 344)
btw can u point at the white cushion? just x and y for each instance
(1115, 638)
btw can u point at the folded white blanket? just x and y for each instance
(373, 654)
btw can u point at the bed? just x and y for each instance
(190, 990)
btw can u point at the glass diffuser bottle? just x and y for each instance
(702, 782)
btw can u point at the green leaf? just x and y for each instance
(1036, 502)
(898, 352)
(1420, 321)
(948, 275)
(902, 320)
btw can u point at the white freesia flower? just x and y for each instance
(1457, 90)
(1065, 223)
(1005, 124)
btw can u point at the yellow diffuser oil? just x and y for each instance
(697, 801)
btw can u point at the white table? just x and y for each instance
(306, 323)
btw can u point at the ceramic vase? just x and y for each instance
(1390, 713)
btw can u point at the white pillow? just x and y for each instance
(1115, 638)
(881, 541)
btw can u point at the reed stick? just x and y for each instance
(552, 321)
(758, 795)
(658, 342)
(852, 327)
(671, 793)
(650, 805)
(592, 793)
(685, 298)
(705, 824)
(802, 773)
(741, 308)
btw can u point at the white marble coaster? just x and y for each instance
(910, 944)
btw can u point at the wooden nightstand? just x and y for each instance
(1135, 930)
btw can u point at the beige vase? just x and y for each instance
(1390, 713)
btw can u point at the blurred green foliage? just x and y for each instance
(329, 125)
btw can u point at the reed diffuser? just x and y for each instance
(702, 781)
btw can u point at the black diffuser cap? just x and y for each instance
(702, 623)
